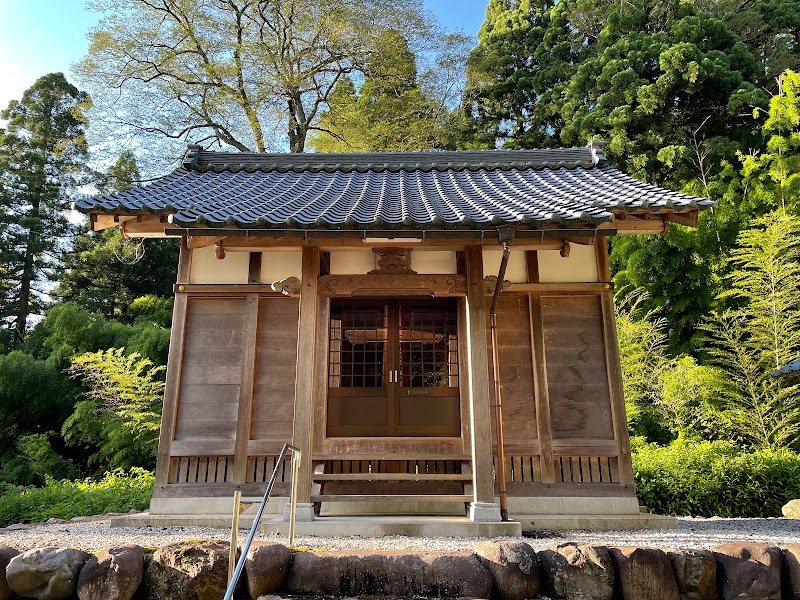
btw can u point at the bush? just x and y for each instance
(714, 479)
(117, 491)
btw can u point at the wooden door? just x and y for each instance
(393, 369)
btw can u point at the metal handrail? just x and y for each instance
(296, 457)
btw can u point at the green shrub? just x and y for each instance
(117, 491)
(714, 479)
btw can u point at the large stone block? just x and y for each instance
(186, 571)
(267, 566)
(514, 567)
(45, 573)
(791, 510)
(430, 574)
(113, 574)
(695, 573)
(644, 574)
(577, 572)
(791, 572)
(749, 571)
(6, 554)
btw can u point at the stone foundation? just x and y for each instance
(511, 570)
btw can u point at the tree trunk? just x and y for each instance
(23, 309)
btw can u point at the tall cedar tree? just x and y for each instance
(389, 113)
(41, 153)
(670, 88)
(101, 274)
(237, 72)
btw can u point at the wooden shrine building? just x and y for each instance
(341, 302)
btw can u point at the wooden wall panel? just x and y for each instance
(276, 360)
(211, 373)
(577, 374)
(516, 369)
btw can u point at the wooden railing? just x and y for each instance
(521, 469)
(201, 469)
(526, 469)
(586, 469)
(260, 468)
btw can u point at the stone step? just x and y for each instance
(393, 498)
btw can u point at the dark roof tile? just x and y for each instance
(477, 189)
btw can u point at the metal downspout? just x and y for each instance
(506, 236)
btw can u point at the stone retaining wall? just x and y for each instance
(509, 570)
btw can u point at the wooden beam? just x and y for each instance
(174, 366)
(688, 219)
(100, 222)
(225, 289)
(392, 285)
(254, 269)
(617, 395)
(304, 383)
(532, 265)
(198, 241)
(245, 413)
(603, 267)
(478, 369)
(653, 225)
(559, 288)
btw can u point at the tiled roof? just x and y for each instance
(791, 368)
(423, 190)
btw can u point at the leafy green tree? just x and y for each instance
(34, 398)
(389, 113)
(770, 28)
(69, 329)
(122, 411)
(41, 152)
(643, 359)
(106, 273)
(235, 72)
(774, 175)
(751, 341)
(512, 77)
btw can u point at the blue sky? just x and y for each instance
(45, 36)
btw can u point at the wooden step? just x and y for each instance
(393, 498)
(391, 477)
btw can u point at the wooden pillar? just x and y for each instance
(249, 341)
(540, 386)
(483, 507)
(249, 349)
(304, 383)
(174, 363)
(613, 367)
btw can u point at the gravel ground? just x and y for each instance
(692, 533)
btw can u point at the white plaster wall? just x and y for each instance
(346, 262)
(206, 268)
(278, 265)
(434, 262)
(516, 270)
(579, 267)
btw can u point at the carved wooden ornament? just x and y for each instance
(392, 261)
(288, 287)
(392, 285)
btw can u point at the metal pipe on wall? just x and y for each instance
(506, 236)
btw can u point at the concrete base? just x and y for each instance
(417, 526)
(210, 506)
(484, 512)
(573, 505)
(595, 522)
